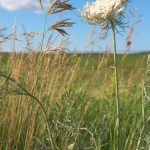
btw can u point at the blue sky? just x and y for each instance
(27, 13)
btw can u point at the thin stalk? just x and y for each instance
(117, 86)
(25, 92)
(143, 105)
(44, 32)
(142, 133)
(39, 62)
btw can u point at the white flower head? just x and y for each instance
(104, 11)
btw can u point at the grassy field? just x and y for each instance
(77, 92)
(52, 100)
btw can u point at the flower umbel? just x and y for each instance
(104, 11)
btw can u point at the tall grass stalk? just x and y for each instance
(44, 32)
(117, 86)
(143, 104)
(25, 92)
(142, 133)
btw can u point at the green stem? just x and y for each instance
(143, 107)
(44, 32)
(117, 86)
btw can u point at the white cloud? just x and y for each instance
(32, 5)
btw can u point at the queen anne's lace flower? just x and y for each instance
(103, 10)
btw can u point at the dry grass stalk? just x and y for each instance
(59, 24)
(57, 7)
(60, 7)
(136, 20)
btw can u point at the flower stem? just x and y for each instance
(117, 86)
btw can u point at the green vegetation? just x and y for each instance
(78, 94)
(51, 100)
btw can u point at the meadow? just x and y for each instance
(78, 94)
(54, 100)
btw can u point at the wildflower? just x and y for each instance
(108, 14)
(104, 12)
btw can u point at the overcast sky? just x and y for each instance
(28, 13)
